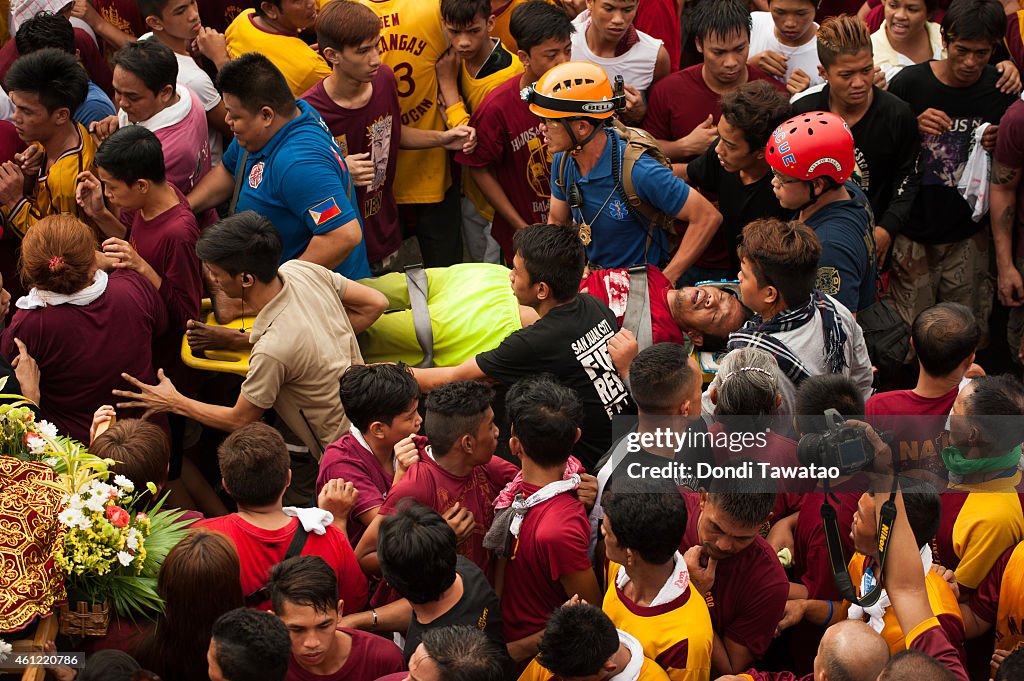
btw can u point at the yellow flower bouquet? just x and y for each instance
(111, 550)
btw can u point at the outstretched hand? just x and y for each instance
(154, 399)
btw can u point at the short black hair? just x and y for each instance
(756, 108)
(377, 392)
(552, 254)
(944, 336)
(465, 12)
(252, 645)
(464, 653)
(454, 410)
(303, 580)
(243, 242)
(45, 29)
(257, 83)
(1012, 667)
(747, 500)
(53, 75)
(150, 61)
(544, 416)
(914, 665)
(577, 641)
(659, 377)
(152, 8)
(720, 18)
(537, 21)
(826, 391)
(109, 665)
(983, 20)
(924, 510)
(133, 153)
(995, 405)
(649, 518)
(417, 550)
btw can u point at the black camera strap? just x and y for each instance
(833, 540)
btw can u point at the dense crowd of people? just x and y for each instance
(580, 340)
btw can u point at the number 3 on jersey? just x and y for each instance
(403, 77)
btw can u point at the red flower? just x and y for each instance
(117, 516)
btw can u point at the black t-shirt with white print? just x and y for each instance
(940, 215)
(571, 343)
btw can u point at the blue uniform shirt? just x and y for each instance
(846, 270)
(299, 182)
(96, 106)
(618, 238)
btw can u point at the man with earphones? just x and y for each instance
(303, 339)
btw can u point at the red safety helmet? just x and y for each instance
(814, 144)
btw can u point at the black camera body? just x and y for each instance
(843, 447)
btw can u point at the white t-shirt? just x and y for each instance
(805, 57)
(636, 66)
(199, 82)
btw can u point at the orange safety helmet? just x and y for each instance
(572, 90)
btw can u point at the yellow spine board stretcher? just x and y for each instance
(224, 361)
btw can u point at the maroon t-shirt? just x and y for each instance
(370, 658)
(123, 15)
(82, 350)
(1010, 149)
(611, 287)
(219, 14)
(259, 550)
(90, 55)
(168, 244)
(935, 642)
(375, 127)
(436, 488)
(660, 19)
(985, 599)
(811, 565)
(351, 461)
(919, 426)
(510, 142)
(553, 542)
(750, 590)
(667, 120)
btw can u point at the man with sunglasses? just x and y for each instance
(812, 158)
(576, 102)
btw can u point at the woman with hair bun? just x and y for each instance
(82, 326)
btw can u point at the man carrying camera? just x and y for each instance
(576, 103)
(932, 654)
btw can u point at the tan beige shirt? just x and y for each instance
(302, 342)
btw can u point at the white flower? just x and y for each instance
(52, 462)
(75, 502)
(124, 483)
(70, 517)
(36, 445)
(5, 649)
(47, 429)
(132, 540)
(84, 523)
(125, 558)
(96, 503)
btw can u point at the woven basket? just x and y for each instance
(85, 619)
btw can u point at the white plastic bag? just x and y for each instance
(973, 184)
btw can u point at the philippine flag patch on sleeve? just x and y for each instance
(324, 211)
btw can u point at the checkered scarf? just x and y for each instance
(761, 334)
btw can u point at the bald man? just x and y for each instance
(913, 665)
(849, 649)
